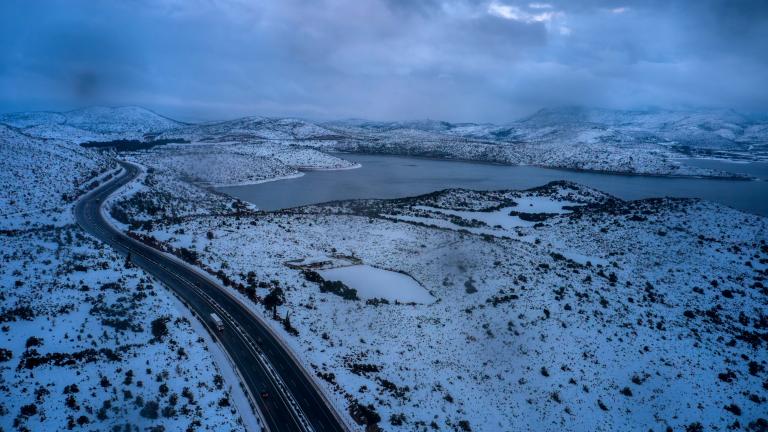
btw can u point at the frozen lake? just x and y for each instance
(397, 177)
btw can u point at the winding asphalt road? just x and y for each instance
(293, 402)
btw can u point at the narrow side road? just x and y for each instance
(287, 398)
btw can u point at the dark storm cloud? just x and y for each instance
(451, 59)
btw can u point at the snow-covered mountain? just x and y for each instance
(91, 124)
(710, 129)
(636, 142)
(707, 129)
(427, 125)
(698, 129)
(253, 128)
(122, 119)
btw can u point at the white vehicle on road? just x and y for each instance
(217, 322)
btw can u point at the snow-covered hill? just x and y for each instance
(88, 341)
(91, 124)
(252, 128)
(634, 142)
(725, 130)
(708, 129)
(39, 179)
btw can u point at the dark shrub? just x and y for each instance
(28, 410)
(160, 327)
(150, 410)
(5, 355)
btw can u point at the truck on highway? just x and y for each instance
(217, 322)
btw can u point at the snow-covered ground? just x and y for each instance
(643, 143)
(599, 315)
(375, 283)
(556, 308)
(88, 341)
(505, 217)
(236, 163)
(39, 179)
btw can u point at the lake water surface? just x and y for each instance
(397, 177)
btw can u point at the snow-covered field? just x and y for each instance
(599, 315)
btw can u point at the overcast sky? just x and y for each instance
(457, 60)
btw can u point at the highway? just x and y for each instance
(293, 402)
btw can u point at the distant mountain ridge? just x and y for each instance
(646, 141)
(253, 128)
(91, 124)
(699, 128)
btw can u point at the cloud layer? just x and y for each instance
(458, 60)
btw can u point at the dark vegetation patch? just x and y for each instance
(124, 145)
(32, 359)
(334, 287)
(364, 414)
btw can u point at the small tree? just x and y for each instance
(288, 327)
(160, 327)
(275, 298)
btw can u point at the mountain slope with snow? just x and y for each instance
(91, 124)
(253, 128)
(40, 178)
(633, 142)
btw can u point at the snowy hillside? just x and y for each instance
(40, 179)
(235, 163)
(252, 128)
(725, 133)
(88, 341)
(91, 343)
(633, 142)
(703, 128)
(557, 308)
(707, 129)
(91, 124)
